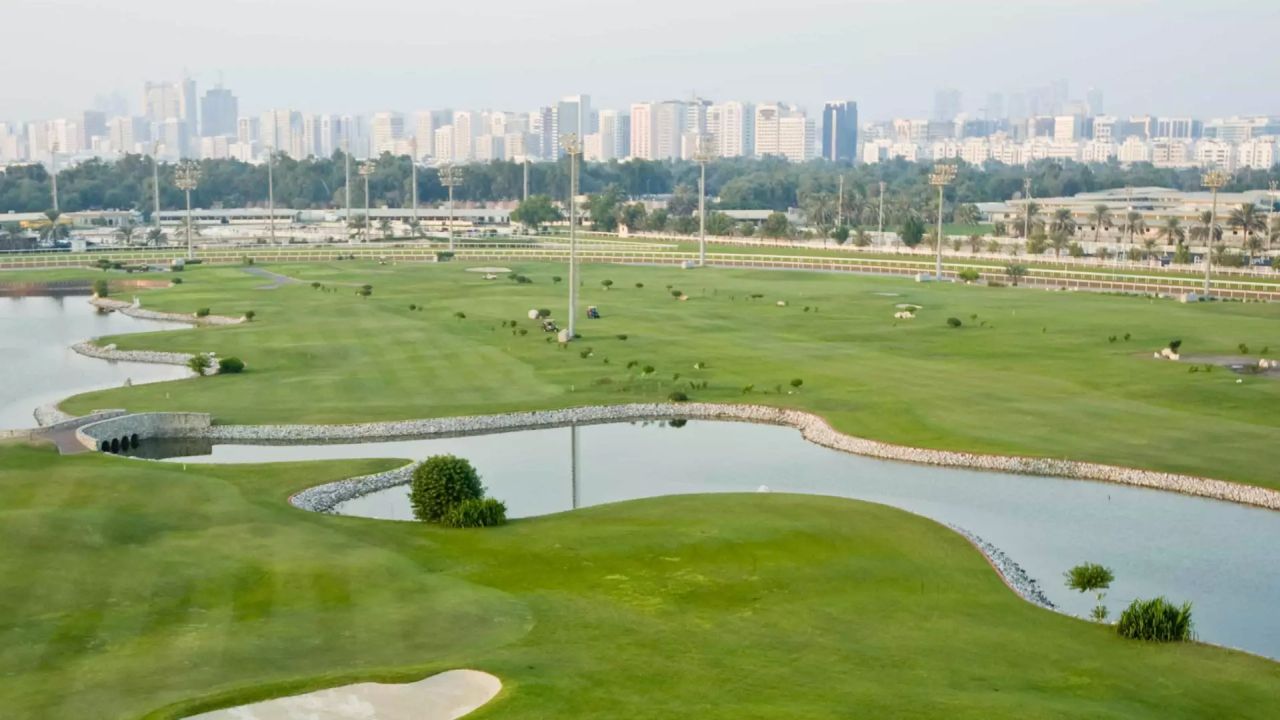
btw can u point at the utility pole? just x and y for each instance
(155, 183)
(346, 158)
(450, 177)
(840, 205)
(703, 155)
(941, 177)
(880, 234)
(413, 169)
(526, 178)
(186, 176)
(1214, 180)
(573, 148)
(53, 172)
(271, 194)
(1026, 198)
(366, 169)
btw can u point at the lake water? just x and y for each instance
(36, 335)
(1220, 556)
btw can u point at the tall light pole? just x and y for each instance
(1214, 180)
(346, 159)
(840, 205)
(186, 176)
(450, 176)
(53, 172)
(704, 154)
(573, 149)
(526, 178)
(155, 183)
(413, 173)
(880, 234)
(1026, 198)
(366, 170)
(941, 177)
(271, 194)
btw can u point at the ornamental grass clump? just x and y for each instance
(475, 513)
(1156, 620)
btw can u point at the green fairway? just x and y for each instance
(132, 589)
(1030, 372)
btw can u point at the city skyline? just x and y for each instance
(875, 52)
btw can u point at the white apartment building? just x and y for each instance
(487, 148)
(732, 128)
(1259, 153)
(444, 144)
(385, 129)
(1171, 154)
(217, 147)
(465, 125)
(129, 134)
(1134, 150)
(784, 131)
(1215, 154)
(642, 131)
(1067, 128)
(610, 125)
(1099, 151)
(669, 126)
(424, 128)
(248, 130)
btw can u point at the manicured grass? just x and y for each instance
(138, 589)
(1033, 374)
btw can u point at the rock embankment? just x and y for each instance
(138, 311)
(109, 352)
(324, 498)
(1011, 572)
(812, 427)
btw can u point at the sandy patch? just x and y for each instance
(489, 270)
(445, 696)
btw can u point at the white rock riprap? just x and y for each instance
(47, 415)
(324, 498)
(812, 427)
(110, 352)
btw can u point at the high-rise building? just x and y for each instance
(1093, 100)
(281, 132)
(840, 131)
(386, 129)
(995, 107)
(129, 134)
(796, 138)
(669, 126)
(93, 124)
(444, 144)
(643, 128)
(732, 125)
(160, 101)
(946, 104)
(573, 115)
(248, 130)
(542, 128)
(464, 133)
(218, 113)
(610, 134)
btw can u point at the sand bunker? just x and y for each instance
(445, 696)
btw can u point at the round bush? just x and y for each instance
(476, 512)
(100, 288)
(230, 365)
(954, 322)
(678, 396)
(202, 312)
(440, 484)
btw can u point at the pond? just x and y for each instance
(36, 335)
(1218, 555)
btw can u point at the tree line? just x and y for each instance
(737, 183)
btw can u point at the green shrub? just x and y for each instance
(607, 284)
(555, 278)
(1091, 577)
(796, 383)
(1243, 348)
(199, 363)
(747, 389)
(969, 275)
(176, 281)
(413, 306)
(1157, 620)
(440, 484)
(639, 286)
(101, 289)
(315, 285)
(202, 312)
(1174, 345)
(230, 365)
(647, 369)
(249, 315)
(676, 294)
(678, 396)
(544, 313)
(475, 513)
(622, 336)
(954, 322)
(460, 315)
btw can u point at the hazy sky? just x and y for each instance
(1160, 56)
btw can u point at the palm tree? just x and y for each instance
(1172, 232)
(125, 233)
(1059, 240)
(1100, 216)
(1201, 232)
(415, 227)
(51, 229)
(968, 214)
(1031, 217)
(384, 226)
(155, 236)
(819, 210)
(1137, 226)
(1063, 222)
(1248, 218)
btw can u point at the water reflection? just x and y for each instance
(1215, 554)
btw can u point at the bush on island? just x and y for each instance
(475, 513)
(202, 312)
(440, 484)
(230, 366)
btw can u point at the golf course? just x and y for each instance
(135, 589)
